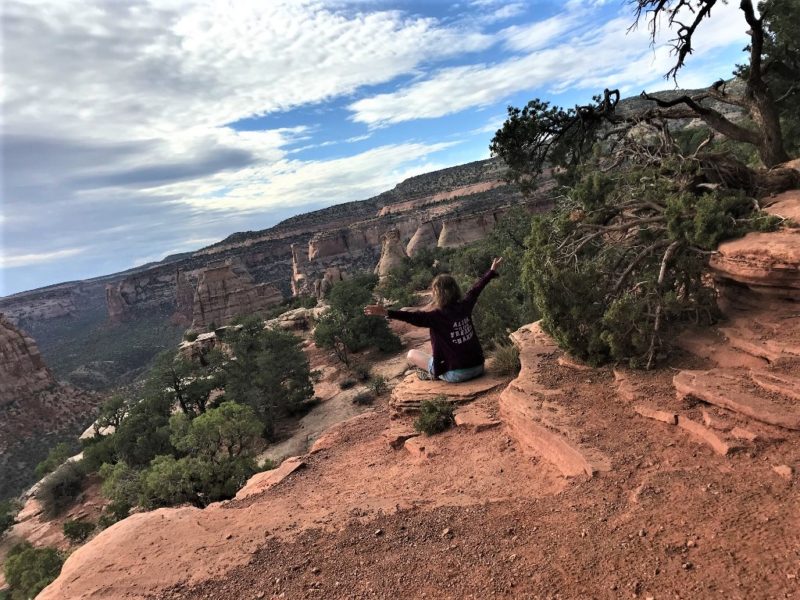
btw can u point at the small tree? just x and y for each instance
(270, 373)
(144, 433)
(185, 383)
(228, 431)
(29, 570)
(345, 328)
(112, 412)
(60, 489)
(8, 513)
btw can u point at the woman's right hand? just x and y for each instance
(375, 310)
(496, 263)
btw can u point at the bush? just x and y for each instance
(97, 451)
(361, 371)
(60, 489)
(347, 383)
(55, 458)
(198, 481)
(29, 570)
(435, 416)
(121, 484)
(78, 531)
(346, 329)
(114, 512)
(190, 336)
(8, 512)
(377, 385)
(505, 360)
(621, 261)
(144, 434)
(364, 398)
(271, 373)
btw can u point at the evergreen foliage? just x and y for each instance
(8, 512)
(435, 416)
(78, 531)
(345, 328)
(620, 261)
(271, 373)
(29, 570)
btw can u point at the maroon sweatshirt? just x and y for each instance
(453, 339)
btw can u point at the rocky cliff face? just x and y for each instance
(392, 253)
(184, 300)
(227, 291)
(22, 370)
(426, 236)
(35, 410)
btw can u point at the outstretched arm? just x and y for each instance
(471, 297)
(418, 319)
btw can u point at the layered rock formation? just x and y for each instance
(22, 370)
(35, 409)
(392, 253)
(184, 300)
(227, 291)
(426, 236)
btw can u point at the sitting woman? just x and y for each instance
(457, 353)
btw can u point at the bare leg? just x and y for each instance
(418, 359)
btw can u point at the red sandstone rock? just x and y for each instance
(786, 205)
(420, 447)
(261, 482)
(409, 393)
(709, 344)
(534, 416)
(705, 435)
(728, 390)
(784, 471)
(572, 363)
(784, 385)
(227, 291)
(475, 419)
(396, 437)
(769, 262)
(743, 434)
(22, 369)
(659, 415)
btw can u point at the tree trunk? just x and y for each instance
(765, 115)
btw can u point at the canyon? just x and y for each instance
(250, 272)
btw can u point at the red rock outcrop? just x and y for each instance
(541, 418)
(227, 291)
(22, 370)
(392, 253)
(33, 406)
(766, 263)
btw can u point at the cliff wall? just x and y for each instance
(35, 410)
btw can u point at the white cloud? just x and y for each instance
(591, 59)
(297, 183)
(26, 260)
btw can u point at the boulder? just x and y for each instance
(408, 395)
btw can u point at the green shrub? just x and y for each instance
(621, 296)
(114, 512)
(121, 485)
(144, 434)
(271, 373)
(78, 531)
(198, 481)
(346, 329)
(377, 385)
(505, 360)
(364, 398)
(97, 451)
(59, 490)
(347, 383)
(55, 458)
(435, 416)
(190, 336)
(8, 512)
(29, 570)
(228, 431)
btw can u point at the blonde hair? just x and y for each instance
(445, 291)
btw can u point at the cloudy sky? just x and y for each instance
(133, 129)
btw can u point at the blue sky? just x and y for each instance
(133, 130)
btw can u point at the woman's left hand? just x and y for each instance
(497, 263)
(375, 310)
